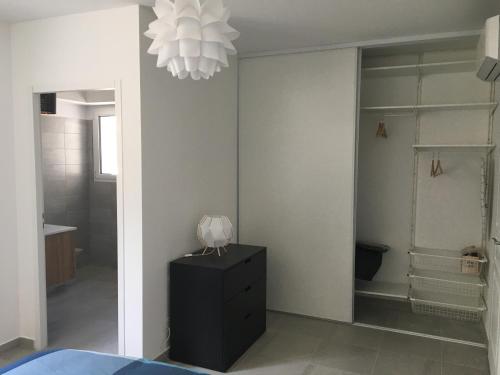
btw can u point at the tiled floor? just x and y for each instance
(301, 346)
(84, 314)
(398, 315)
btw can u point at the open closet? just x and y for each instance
(423, 191)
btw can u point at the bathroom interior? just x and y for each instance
(78, 133)
(424, 208)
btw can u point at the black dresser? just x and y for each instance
(217, 306)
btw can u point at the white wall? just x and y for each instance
(71, 110)
(82, 51)
(9, 324)
(297, 153)
(189, 169)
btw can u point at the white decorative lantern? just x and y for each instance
(215, 232)
(191, 37)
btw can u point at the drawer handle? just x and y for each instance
(247, 316)
(248, 288)
(248, 260)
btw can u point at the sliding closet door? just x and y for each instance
(296, 176)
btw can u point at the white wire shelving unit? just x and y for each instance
(440, 282)
(455, 148)
(423, 68)
(446, 283)
(418, 108)
(461, 307)
(442, 260)
(452, 283)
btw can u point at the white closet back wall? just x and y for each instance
(448, 214)
(385, 168)
(296, 187)
(447, 209)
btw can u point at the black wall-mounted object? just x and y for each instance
(368, 259)
(48, 104)
(217, 306)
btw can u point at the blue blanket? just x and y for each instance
(77, 362)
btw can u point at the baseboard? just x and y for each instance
(19, 342)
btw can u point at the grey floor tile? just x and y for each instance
(370, 312)
(389, 363)
(265, 366)
(261, 343)
(323, 370)
(345, 357)
(407, 344)
(286, 346)
(272, 320)
(303, 325)
(15, 354)
(409, 321)
(84, 314)
(356, 336)
(450, 369)
(468, 331)
(465, 355)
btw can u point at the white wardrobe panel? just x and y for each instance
(297, 176)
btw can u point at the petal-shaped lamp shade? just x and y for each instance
(215, 231)
(191, 37)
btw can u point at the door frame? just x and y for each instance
(41, 339)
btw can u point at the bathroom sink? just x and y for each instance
(51, 229)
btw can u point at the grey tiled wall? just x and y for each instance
(103, 223)
(66, 150)
(72, 197)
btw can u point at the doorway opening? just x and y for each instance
(79, 164)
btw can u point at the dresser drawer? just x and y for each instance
(243, 274)
(244, 319)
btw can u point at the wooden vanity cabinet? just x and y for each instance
(59, 258)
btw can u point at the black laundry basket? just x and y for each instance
(368, 259)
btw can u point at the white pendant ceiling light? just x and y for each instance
(191, 37)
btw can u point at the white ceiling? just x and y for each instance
(283, 24)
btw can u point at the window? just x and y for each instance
(105, 147)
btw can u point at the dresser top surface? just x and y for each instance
(235, 254)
